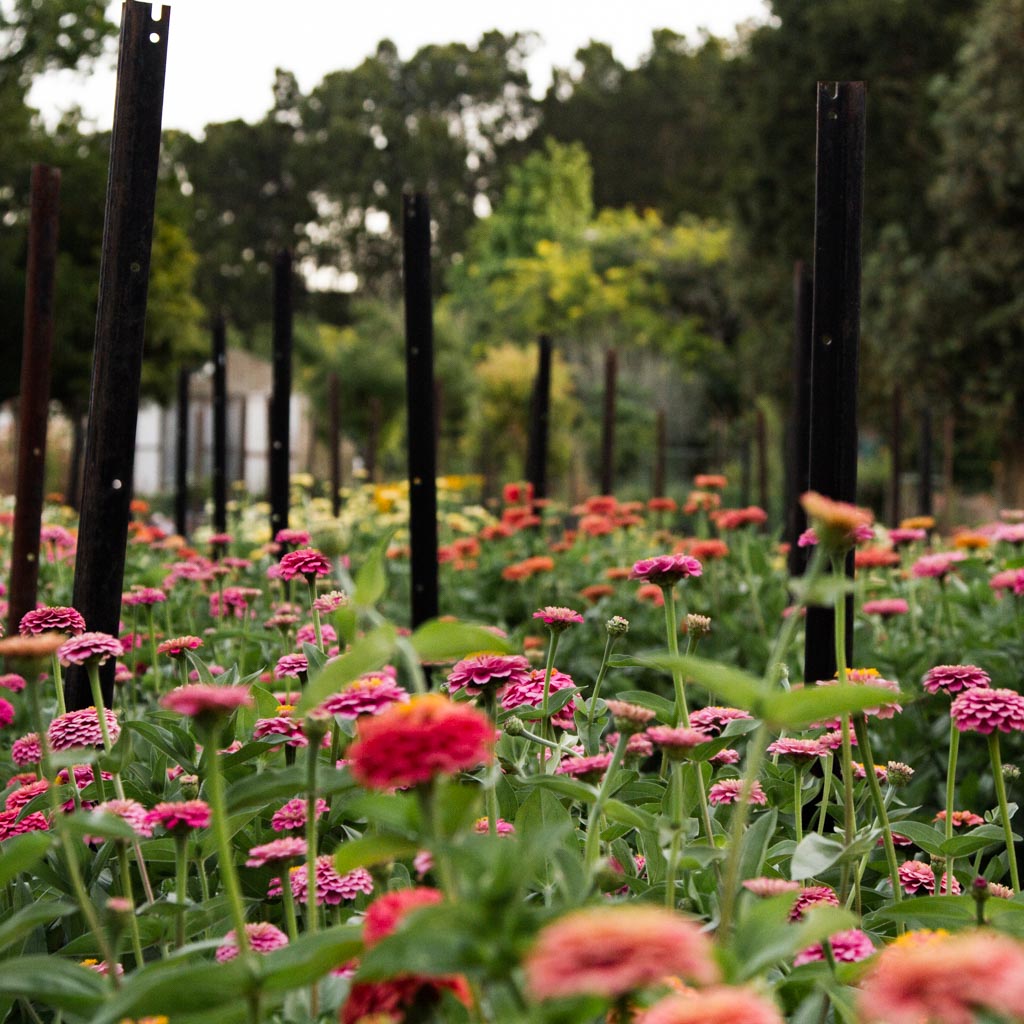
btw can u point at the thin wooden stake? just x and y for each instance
(34, 400)
(120, 322)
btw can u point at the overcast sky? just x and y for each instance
(222, 53)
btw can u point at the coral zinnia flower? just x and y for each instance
(263, 938)
(946, 980)
(837, 524)
(81, 729)
(385, 912)
(770, 886)
(611, 951)
(983, 710)
(717, 1005)
(665, 570)
(480, 670)
(412, 743)
(86, 648)
(886, 607)
(954, 678)
(56, 619)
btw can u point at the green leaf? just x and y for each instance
(977, 839)
(53, 982)
(735, 687)
(371, 580)
(366, 654)
(309, 957)
(431, 941)
(793, 709)
(205, 675)
(370, 850)
(927, 838)
(664, 709)
(437, 641)
(927, 912)
(99, 823)
(163, 741)
(29, 918)
(822, 591)
(754, 848)
(22, 853)
(616, 810)
(565, 786)
(813, 855)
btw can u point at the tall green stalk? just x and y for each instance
(1004, 811)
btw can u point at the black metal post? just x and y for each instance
(34, 396)
(761, 441)
(334, 442)
(280, 399)
(181, 456)
(120, 323)
(835, 331)
(925, 504)
(419, 393)
(220, 426)
(540, 411)
(797, 473)
(611, 370)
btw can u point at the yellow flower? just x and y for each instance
(918, 523)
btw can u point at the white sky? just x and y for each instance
(222, 53)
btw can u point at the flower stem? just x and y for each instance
(1004, 812)
(682, 712)
(609, 643)
(864, 743)
(798, 802)
(549, 667)
(592, 845)
(826, 788)
(954, 746)
(58, 683)
(180, 886)
(675, 783)
(126, 890)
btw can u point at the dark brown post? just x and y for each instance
(419, 391)
(839, 194)
(611, 370)
(34, 401)
(74, 485)
(540, 411)
(896, 454)
(925, 505)
(334, 441)
(120, 322)
(948, 434)
(797, 475)
(660, 452)
(761, 437)
(181, 456)
(280, 399)
(220, 426)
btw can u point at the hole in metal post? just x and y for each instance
(833, 115)
(116, 485)
(154, 37)
(826, 340)
(156, 12)
(835, 90)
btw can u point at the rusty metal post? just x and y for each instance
(34, 401)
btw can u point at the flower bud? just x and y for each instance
(698, 625)
(898, 774)
(514, 726)
(189, 786)
(1011, 772)
(617, 626)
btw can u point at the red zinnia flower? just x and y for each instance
(412, 743)
(385, 912)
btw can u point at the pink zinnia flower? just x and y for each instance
(330, 602)
(589, 769)
(847, 947)
(12, 681)
(809, 896)
(503, 828)
(144, 596)
(946, 979)
(307, 634)
(26, 750)
(612, 951)
(370, 694)
(292, 537)
(676, 742)
(886, 607)
(955, 678)
(180, 816)
(206, 701)
(412, 743)
(81, 729)
(961, 818)
(799, 750)
(56, 619)
(716, 1005)
(1008, 579)
(915, 876)
(713, 719)
(130, 811)
(480, 670)
(937, 566)
(289, 848)
(770, 886)
(384, 913)
(726, 756)
(665, 570)
(263, 938)
(6, 713)
(307, 562)
(24, 795)
(984, 710)
(331, 888)
(531, 692)
(177, 646)
(293, 666)
(291, 817)
(728, 792)
(283, 727)
(11, 825)
(96, 648)
(557, 618)
(907, 535)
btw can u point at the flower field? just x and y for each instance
(598, 788)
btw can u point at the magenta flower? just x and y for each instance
(331, 888)
(178, 645)
(6, 713)
(56, 619)
(915, 876)
(132, 812)
(727, 791)
(289, 848)
(766, 887)
(714, 719)
(292, 816)
(907, 535)
(90, 648)
(370, 694)
(984, 710)
(281, 728)
(798, 750)
(666, 570)
(589, 769)
(12, 681)
(937, 566)
(531, 692)
(206, 701)
(886, 607)
(143, 596)
(26, 751)
(676, 742)
(847, 947)
(11, 825)
(24, 795)
(180, 817)
(558, 619)
(503, 828)
(955, 678)
(293, 666)
(81, 729)
(292, 537)
(480, 670)
(809, 896)
(307, 562)
(263, 938)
